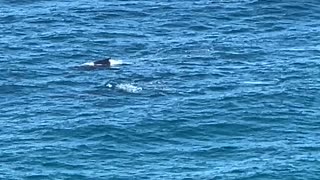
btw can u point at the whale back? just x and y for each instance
(104, 62)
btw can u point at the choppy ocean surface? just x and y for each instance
(220, 89)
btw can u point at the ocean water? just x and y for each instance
(220, 89)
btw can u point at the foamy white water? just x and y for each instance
(88, 64)
(114, 62)
(125, 87)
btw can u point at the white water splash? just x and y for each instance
(125, 87)
(88, 64)
(114, 62)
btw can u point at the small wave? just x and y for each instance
(125, 87)
(260, 82)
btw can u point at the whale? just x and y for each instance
(104, 63)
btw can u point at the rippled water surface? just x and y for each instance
(221, 89)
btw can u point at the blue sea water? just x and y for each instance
(220, 89)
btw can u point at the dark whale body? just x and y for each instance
(102, 63)
(106, 63)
